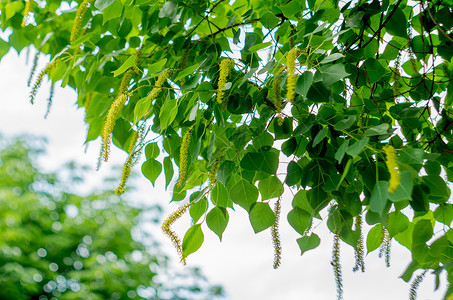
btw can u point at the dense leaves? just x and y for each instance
(317, 91)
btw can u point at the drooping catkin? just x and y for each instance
(215, 166)
(77, 24)
(166, 228)
(276, 89)
(392, 166)
(359, 250)
(125, 80)
(27, 10)
(158, 84)
(385, 247)
(226, 66)
(33, 68)
(291, 78)
(49, 100)
(276, 236)
(414, 286)
(110, 123)
(38, 81)
(130, 161)
(336, 264)
(184, 157)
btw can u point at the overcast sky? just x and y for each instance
(242, 263)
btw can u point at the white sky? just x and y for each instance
(242, 263)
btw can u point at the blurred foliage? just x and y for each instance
(59, 245)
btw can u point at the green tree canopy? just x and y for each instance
(348, 103)
(60, 245)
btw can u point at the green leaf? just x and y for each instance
(259, 46)
(377, 130)
(192, 241)
(378, 198)
(151, 168)
(152, 151)
(423, 231)
(397, 24)
(168, 169)
(262, 161)
(303, 83)
(341, 151)
(261, 216)
(397, 223)
(187, 71)
(141, 109)
(308, 242)
(331, 58)
(438, 189)
(293, 174)
(102, 4)
(271, 187)
(4, 48)
(411, 156)
(444, 213)
(374, 238)
(168, 113)
(332, 74)
(244, 194)
(320, 136)
(357, 147)
(125, 66)
(300, 200)
(404, 190)
(374, 70)
(220, 196)
(299, 219)
(169, 9)
(112, 11)
(198, 209)
(217, 220)
(156, 67)
(345, 123)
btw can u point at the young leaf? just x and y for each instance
(193, 239)
(217, 220)
(261, 216)
(299, 219)
(151, 168)
(308, 242)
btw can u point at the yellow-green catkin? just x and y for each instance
(33, 68)
(87, 103)
(158, 84)
(166, 228)
(126, 80)
(138, 53)
(77, 24)
(392, 166)
(276, 89)
(215, 166)
(128, 164)
(276, 236)
(336, 264)
(359, 248)
(291, 78)
(110, 123)
(414, 286)
(226, 66)
(38, 81)
(28, 9)
(184, 157)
